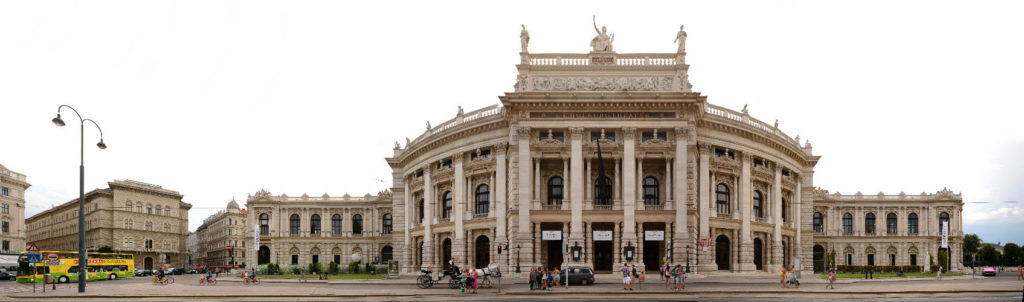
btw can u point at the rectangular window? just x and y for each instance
(892, 259)
(316, 258)
(597, 135)
(6, 227)
(849, 259)
(7, 245)
(652, 135)
(295, 259)
(913, 259)
(3, 191)
(871, 259)
(6, 209)
(337, 258)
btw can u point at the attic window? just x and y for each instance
(723, 153)
(758, 162)
(555, 135)
(653, 134)
(445, 164)
(595, 135)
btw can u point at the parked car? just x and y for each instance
(988, 271)
(6, 276)
(578, 275)
(143, 272)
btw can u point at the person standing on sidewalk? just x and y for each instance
(939, 272)
(302, 274)
(1020, 272)
(831, 279)
(782, 276)
(792, 277)
(666, 273)
(625, 277)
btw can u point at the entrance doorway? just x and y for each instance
(653, 244)
(483, 252)
(758, 253)
(603, 255)
(264, 256)
(446, 252)
(819, 259)
(722, 252)
(148, 263)
(554, 256)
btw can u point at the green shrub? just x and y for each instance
(332, 268)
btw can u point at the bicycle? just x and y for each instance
(165, 281)
(253, 281)
(211, 282)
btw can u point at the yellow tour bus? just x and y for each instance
(101, 266)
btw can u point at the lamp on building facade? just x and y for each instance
(82, 256)
(629, 250)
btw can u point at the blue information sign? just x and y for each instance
(34, 258)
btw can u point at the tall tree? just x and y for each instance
(988, 255)
(970, 247)
(1012, 254)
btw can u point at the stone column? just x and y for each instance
(428, 214)
(667, 182)
(499, 198)
(640, 238)
(566, 178)
(618, 182)
(707, 263)
(536, 178)
(629, 187)
(524, 236)
(777, 209)
(746, 247)
(587, 184)
(640, 179)
(459, 242)
(492, 204)
(681, 236)
(576, 174)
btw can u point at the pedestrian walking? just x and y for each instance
(677, 276)
(831, 279)
(462, 280)
(558, 276)
(625, 277)
(474, 277)
(634, 277)
(666, 273)
(540, 278)
(533, 277)
(1020, 272)
(782, 276)
(792, 277)
(302, 274)
(939, 273)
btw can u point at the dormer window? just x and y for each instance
(555, 135)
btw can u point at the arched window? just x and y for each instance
(149, 225)
(722, 199)
(847, 223)
(446, 212)
(603, 191)
(138, 207)
(819, 222)
(167, 227)
(650, 191)
(869, 223)
(293, 222)
(149, 209)
(167, 211)
(386, 222)
(758, 212)
(890, 223)
(314, 224)
(126, 223)
(785, 208)
(159, 210)
(483, 200)
(128, 205)
(336, 224)
(912, 223)
(357, 224)
(555, 191)
(944, 217)
(420, 209)
(264, 224)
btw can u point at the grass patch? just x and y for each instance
(316, 277)
(888, 275)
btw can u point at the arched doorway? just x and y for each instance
(483, 252)
(386, 253)
(264, 255)
(446, 252)
(819, 259)
(758, 253)
(722, 252)
(148, 263)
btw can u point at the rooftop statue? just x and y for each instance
(524, 38)
(681, 39)
(602, 42)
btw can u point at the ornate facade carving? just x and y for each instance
(602, 83)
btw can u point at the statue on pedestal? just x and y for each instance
(681, 39)
(524, 38)
(602, 42)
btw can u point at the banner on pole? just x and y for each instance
(945, 234)
(256, 235)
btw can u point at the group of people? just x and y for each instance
(675, 274)
(788, 277)
(543, 279)
(629, 276)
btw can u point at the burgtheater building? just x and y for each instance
(615, 158)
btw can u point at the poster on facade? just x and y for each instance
(654, 235)
(602, 235)
(945, 234)
(551, 235)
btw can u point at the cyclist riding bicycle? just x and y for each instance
(160, 274)
(252, 276)
(209, 275)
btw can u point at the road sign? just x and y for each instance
(34, 258)
(52, 257)
(32, 248)
(229, 247)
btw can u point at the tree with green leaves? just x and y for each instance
(988, 255)
(971, 244)
(1013, 255)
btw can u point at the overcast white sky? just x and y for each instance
(222, 98)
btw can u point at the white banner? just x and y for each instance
(602, 235)
(551, 235)
(256, 241)
(945, 234)
(654, 235)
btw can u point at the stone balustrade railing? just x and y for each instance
(744, 119)
(13, 174)
(584, 59)
(466, 118)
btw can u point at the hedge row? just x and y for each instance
(878, 268)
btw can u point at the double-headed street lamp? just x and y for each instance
(82, 257)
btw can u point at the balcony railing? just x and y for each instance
(551, 207)
(602, 207)
(479, 215)
(761, 219)
(654, 207)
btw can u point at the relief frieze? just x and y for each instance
(602, 83)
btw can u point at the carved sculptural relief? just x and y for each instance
(602, 83)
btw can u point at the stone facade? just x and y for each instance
(726, 191)
(218, 232)
(12, 211)
(130, 216)
(324, 229)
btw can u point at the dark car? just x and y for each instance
(6, 276)
(579, 275)
(176, 271)
(143, 272)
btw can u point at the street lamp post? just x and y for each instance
(687, 258)
(82, 257)
(517, 260)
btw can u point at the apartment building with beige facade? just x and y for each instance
(222, 238)
(129, 216)
(12, 211)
